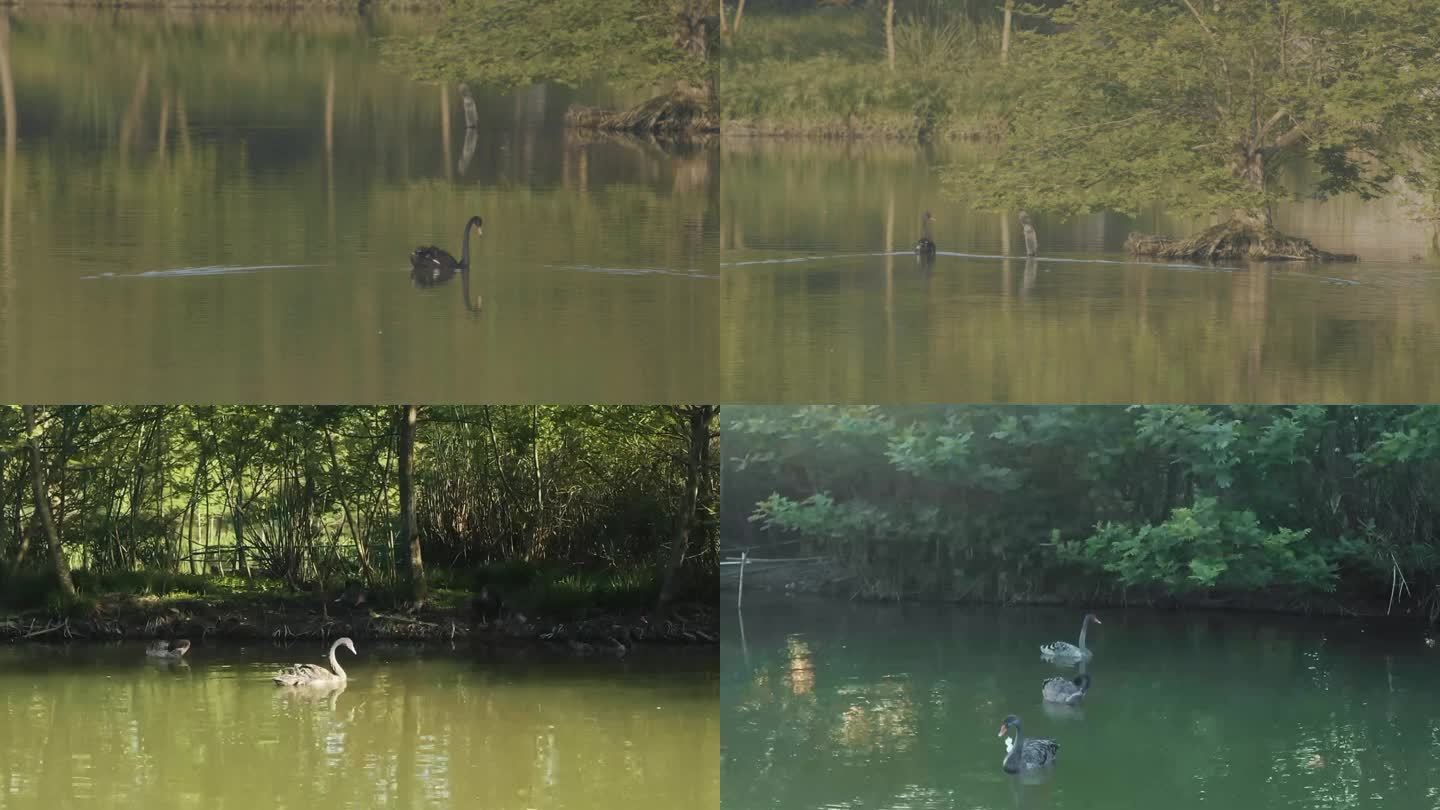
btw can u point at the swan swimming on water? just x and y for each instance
(314, 674)
(1064, 650)
(926, 245)
(1064, 690)
(1022, 754)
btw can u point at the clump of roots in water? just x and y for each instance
(1234, 239)
(678, 112)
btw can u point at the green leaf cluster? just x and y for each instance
(511, 44)
(1188, 104)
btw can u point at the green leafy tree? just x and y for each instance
(515, 43)
(1193, 105)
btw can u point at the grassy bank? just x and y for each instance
(831, 579)
(824, 73)
(514, 603)
(287, 6)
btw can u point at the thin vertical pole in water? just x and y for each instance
(740, 597)
(12, 132)
(445, 126)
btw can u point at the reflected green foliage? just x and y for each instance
(96, 725)
(575, 506)
(883, 706)
(151, 143)
(1190, 104)
(817, 318)
(510, 44)
(1257, 504)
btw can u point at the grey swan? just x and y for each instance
(926, 245)
(1065, 651)
(1067, 691)
(314, 674)
(164, 649)
(1025, 755)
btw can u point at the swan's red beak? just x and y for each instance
(1003, 728)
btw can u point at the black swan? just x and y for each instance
(926, 245)
(1064, 650)
(1022, 754)
(431, 265)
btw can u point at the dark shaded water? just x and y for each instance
(221, 208)
(92, 725)
(830, 704)
(816, 311)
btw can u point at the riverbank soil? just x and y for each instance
(271, 616)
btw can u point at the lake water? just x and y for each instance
(99, 725)
(221, 208)
(831, 704)
(814, 309)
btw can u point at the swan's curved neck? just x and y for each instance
(1014, 752)
(925, 228)
(335, 662)
(465, 248)
(1084, 625)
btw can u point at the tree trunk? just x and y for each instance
(724, 23)
(890, 33)
(699, 418)
(1249, 166)
(409, 534)
(241, 566)
(536, 536)
(42, 508)
(1005, 32)
(739, 12)
(360, 550)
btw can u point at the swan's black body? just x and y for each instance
(926, 246)
(1025, 755)
(1066, 691)
(431, 266)
(1066, 653)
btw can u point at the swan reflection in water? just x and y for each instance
(165, 651)
(431, 266)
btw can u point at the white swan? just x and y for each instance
(314, 674)
(1064, 650)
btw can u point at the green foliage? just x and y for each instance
(1069, 501)
(514, 43)
(148, 499)
(1204, 546)
(825, 72)
(1133, 102)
